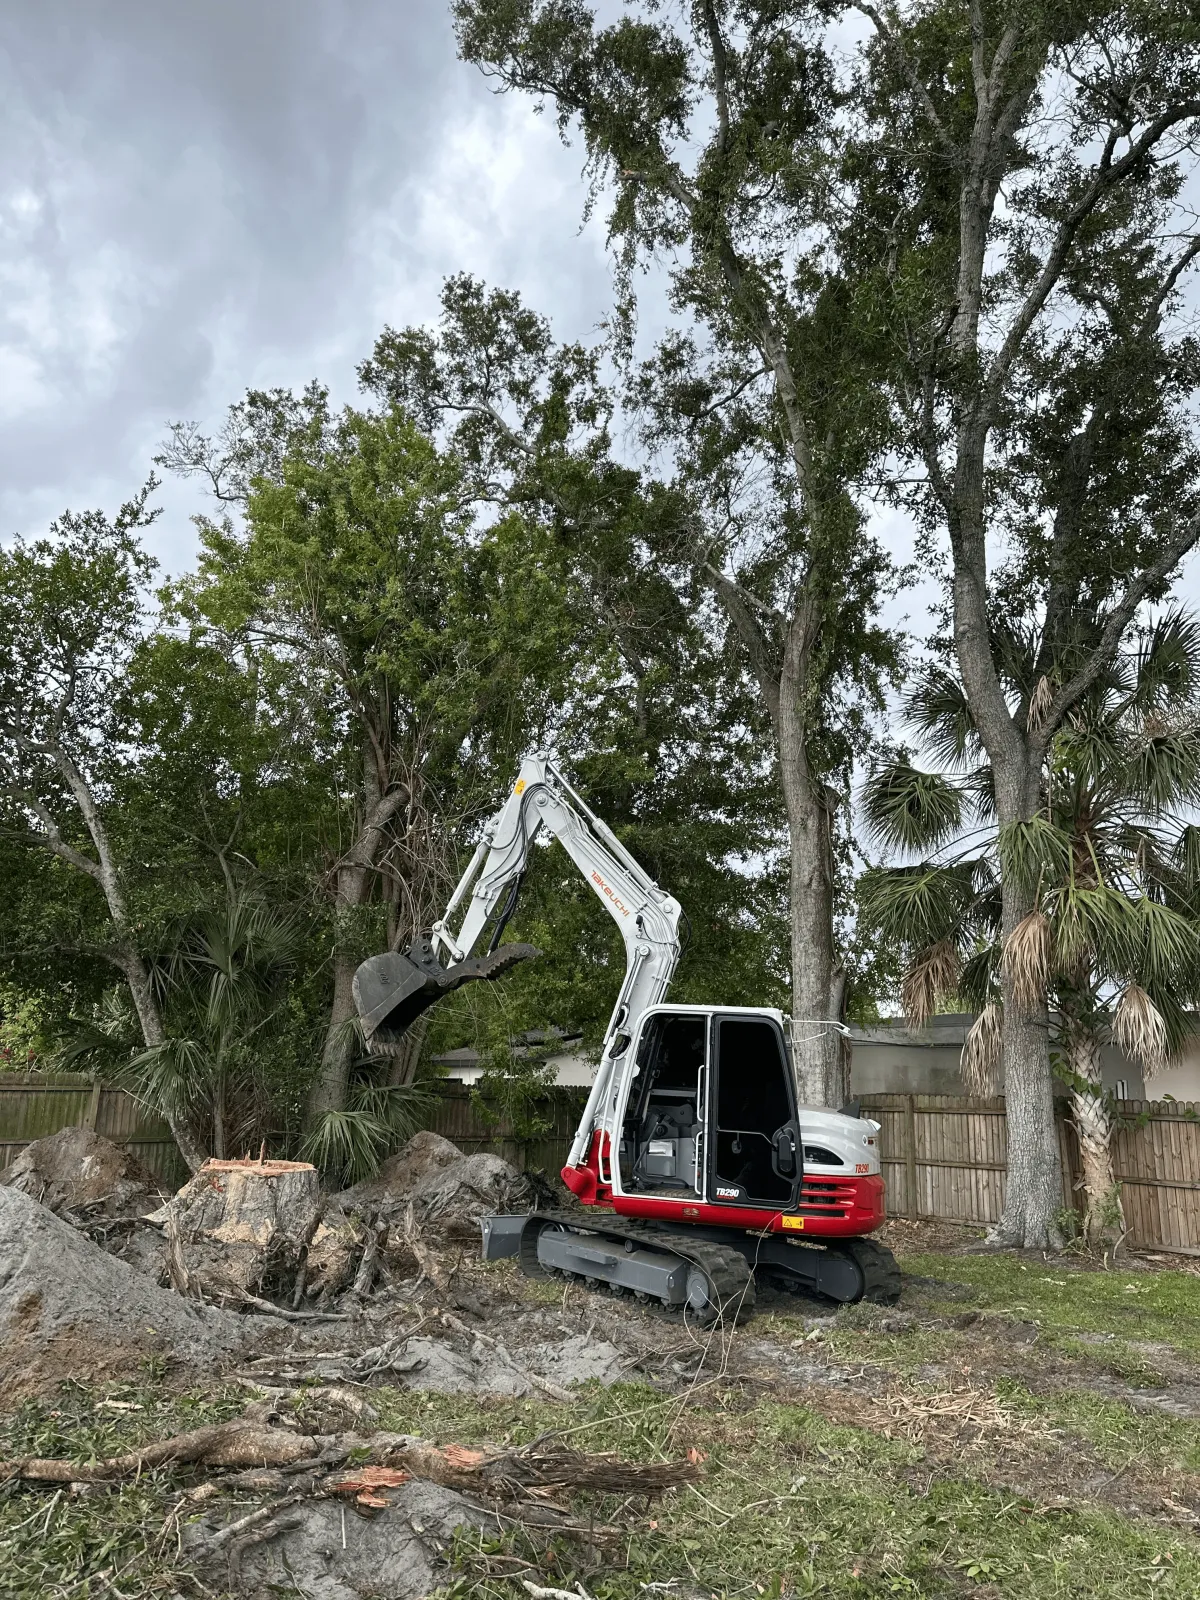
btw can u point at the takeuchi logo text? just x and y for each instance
(612, 894)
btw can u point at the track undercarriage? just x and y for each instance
(705, 1273)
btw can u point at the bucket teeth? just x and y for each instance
(392, 990)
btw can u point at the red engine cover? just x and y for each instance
(830, 1206)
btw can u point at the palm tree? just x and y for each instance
(1110, 860)
(222, 983)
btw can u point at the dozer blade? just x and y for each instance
(392, 990)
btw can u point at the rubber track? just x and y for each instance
(727, 1269)
(881, 1274)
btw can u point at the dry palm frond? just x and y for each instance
(932, 976)
(1039, 704)
(1138, 1027)
(1026, 960)
(980, 1063)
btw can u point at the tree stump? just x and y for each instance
(241, 1228)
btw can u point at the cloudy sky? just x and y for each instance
(200, 197)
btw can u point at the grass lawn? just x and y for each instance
(976, 1442)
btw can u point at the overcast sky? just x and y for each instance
(199, 197)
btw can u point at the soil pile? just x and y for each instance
(68, 1308)
(78, 1170)
(448, 1191)
(323, 1551)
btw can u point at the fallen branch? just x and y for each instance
(251, 1442)
(241, 1443)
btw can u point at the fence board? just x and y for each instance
(943, 1156)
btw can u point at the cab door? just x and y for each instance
(755, 1156)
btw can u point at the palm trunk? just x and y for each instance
(219, 1117)
(1104, 1217)
(1033, 1194)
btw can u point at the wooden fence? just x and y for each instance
(32, 1107)
(944, 1158)
(943, 1155)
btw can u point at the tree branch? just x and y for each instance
(1107, 176)
(910, 73)
(1115, 624)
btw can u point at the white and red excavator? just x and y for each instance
(698, 1169)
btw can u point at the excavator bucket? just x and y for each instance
(392, 990)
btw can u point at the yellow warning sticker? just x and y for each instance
(520, 786)
(793, 1222)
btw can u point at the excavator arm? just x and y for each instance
(393, 989)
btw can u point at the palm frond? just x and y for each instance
(1167, 671)
(1162, 770)
(171, 1078)
(1092, 921)
(1040, 702)
(1185, 855)
(1028, 952)
(907, 809)
(914, 905)
(1138, 1027)
(347, 1145)
(977, 982)
(932, 977)
(1034, 852)
(981, 1062)
(1167, 949)
(937, 709)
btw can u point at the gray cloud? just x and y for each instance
(197, 198)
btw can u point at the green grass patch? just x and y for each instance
(791, 1503)
(1157, 1307)
(1122, 1436)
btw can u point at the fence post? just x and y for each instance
(93, 1110)
(910, 1153)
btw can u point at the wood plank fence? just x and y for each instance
(944, 1158)
(32, 1107)
(943, 1155)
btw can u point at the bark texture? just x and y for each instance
(1104, 1216)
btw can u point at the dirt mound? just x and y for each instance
(76, 1169)
(67, 1308)
(448, 1191)
(325, 1552)
(423, 1157)
(450, 1203)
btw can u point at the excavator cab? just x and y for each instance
(711, 1112)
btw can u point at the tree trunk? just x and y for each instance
(354, 875)
(1104, 1217)
(407, 1054)
(129, 961)
(816, 1047)
(330, 1089)
(1033, 1189)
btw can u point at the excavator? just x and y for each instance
(696, 1170)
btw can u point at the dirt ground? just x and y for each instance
(1017, 1425)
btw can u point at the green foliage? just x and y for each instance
(348, 1145)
